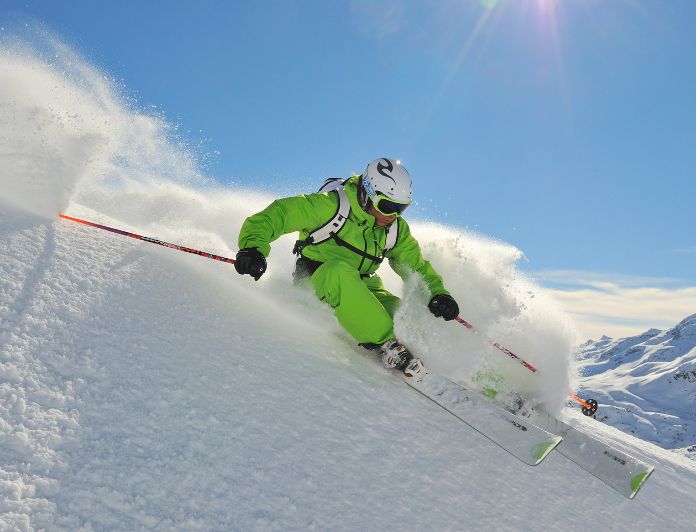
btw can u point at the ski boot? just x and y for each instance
(415, 370)
(394, 355)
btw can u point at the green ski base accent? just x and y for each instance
(638, 481)
(490, 393)
(489, 377)
(542, 449)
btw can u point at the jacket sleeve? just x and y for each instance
(406, 258)
(288, 215)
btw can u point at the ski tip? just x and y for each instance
(542, 450)
(638, 480)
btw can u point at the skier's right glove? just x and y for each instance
(250, 261)
(444, 306)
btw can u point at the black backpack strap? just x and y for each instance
(331, 228)
(358, 251)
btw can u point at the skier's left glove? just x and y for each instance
(444, 306)
(250, 261)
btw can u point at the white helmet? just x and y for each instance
(387, 185)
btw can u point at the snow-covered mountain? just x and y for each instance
(143, 388)
(646, 384)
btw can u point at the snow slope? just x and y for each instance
(646, 384)
(147, 389)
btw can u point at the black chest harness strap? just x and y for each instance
(331, 228)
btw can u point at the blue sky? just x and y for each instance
(565, 127)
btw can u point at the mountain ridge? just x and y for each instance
(646, 384)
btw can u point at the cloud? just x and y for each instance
(579, 278)
(686, 251)
(619, 306)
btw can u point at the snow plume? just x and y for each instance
(52, 128)
(71, 142)
(501, 303)
(62, 120)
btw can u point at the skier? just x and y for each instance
(347, 229)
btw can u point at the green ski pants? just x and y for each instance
(362, 305)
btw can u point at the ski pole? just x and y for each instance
(589, 407)
(500, 347)
(148, 239)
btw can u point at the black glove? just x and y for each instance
(251, 261)
(444, 306)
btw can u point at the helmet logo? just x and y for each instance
(388, 167)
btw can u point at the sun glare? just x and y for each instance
(546, 4)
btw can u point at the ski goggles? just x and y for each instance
(382, 204)
(388, 207)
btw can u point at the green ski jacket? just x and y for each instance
(307, 212)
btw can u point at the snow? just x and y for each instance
(646, 384)
(146, 389)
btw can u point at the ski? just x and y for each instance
(516, 435)
(615, 468)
